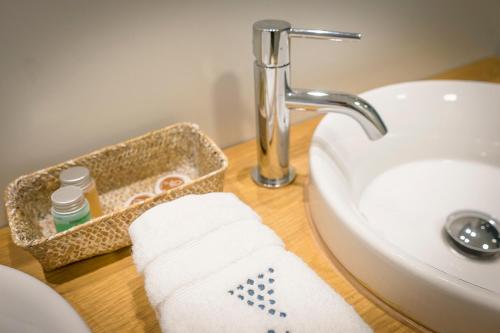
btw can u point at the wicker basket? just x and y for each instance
(119, 171)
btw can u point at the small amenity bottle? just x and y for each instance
(80, 176)
(69, 207)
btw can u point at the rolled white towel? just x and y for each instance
(271, 290)
(202, 257)
(177, 222)
(211, 266)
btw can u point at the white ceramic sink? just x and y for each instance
(28, 305)
(380, 206)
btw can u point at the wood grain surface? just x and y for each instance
(108, 293)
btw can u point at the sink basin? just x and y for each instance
(380, 206)
(28, 305)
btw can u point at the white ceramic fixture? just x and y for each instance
(380, 206)
(28, 305)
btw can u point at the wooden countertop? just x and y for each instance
(108, 293)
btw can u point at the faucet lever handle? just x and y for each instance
(323, 34)
(271, 40)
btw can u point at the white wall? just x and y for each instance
(78, 75)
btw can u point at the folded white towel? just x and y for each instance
(271, 290)
(202, 257)
(210, 266)
(174, 223)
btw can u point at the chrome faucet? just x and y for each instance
(274, 98)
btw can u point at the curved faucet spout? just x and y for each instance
(325, 102)
(274, 99)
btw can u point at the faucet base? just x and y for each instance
(273, 183)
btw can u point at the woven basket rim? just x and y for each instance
(9, 190)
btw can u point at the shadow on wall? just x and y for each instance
(229, 109)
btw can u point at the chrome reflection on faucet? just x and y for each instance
(274, 98)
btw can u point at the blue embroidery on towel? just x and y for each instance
(259, 293)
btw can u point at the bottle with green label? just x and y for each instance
(69, 208)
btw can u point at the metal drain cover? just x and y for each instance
(474, 232)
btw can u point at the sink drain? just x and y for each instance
(474, 232)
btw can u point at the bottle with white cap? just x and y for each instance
(69, 207)
(80, 176)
